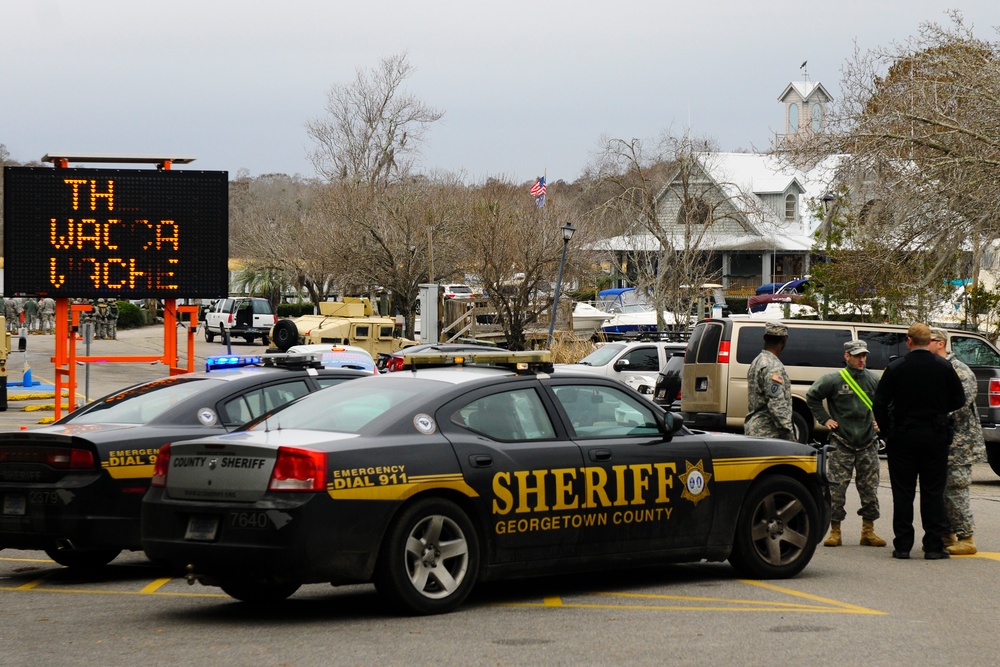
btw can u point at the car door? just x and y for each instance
(653, 494)
(527, 473)
(637, 365)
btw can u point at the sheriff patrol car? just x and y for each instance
(73, 489)
(474, 467)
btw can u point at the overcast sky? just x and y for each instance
(526, 87)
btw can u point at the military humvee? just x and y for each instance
(348, 322)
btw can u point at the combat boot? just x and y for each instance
(868, 536)
(833, 539)
(949, 539)
(964, 546)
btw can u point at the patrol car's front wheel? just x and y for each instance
(775, 532)
(430, 559)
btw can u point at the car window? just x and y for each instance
(706, 343)
(510, 416)
(974, 352)
(142, 404)
(351, 406)
(813, 348)
(263, 399)
(602, 355)
(644, 359)
(605, 412)
(227, 306)
(883, 347)
(261, 307)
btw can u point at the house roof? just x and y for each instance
(806, 90)
(713, 242)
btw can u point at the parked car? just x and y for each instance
(458, 291)
(247, 317)
(427, 482)
(73, 489)
(667, 392)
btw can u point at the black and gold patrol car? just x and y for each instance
(74, 489)
(426, 481)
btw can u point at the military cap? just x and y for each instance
(937, 333)
(856, 347)
(775, 329)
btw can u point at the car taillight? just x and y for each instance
(161, 466)
(229, 318)
(724, 352)
(298, 470)
(62, 458)
(994, 392)
(394, 364)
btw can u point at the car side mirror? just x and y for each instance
(620, 365)
(672, 423)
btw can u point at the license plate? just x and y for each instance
(14, 505)
(202, 528)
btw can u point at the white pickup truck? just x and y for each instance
(635, 363)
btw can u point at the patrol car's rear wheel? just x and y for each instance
(257, 592)
(83, 559)
(776, 530)
(209, 336)
(285, 334)
(800, 428)
(430, 559)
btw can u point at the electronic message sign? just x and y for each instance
(117, 233)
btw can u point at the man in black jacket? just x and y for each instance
(911, 405)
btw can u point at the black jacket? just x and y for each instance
(917, 391)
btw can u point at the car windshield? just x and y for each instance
(602, 355)
(461, 289)
(345, 409)
(141, 404)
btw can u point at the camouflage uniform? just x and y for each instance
(769, 399)
(11, 310)
(855, 442)
(47, 312)
(967, 447)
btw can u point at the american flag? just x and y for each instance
(538, 191)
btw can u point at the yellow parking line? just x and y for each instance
(818, 605)
(33, 586)
(155, 586)
(30, 585)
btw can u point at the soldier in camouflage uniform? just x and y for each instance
(967, 447)
(848, 415)
(769, 391)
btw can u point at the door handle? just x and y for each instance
(481, 460)
(600, 454)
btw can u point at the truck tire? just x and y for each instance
(285, 334)
(993, 456)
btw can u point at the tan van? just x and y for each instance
(714, 381)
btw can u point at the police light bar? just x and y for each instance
(532, 361)
(231, 361)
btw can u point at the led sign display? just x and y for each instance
(121, 233)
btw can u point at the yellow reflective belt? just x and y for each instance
(856, 388)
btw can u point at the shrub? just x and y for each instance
(130, 316)
(294, 309)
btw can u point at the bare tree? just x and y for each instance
(668, 226)
(515, 248)
(373, 129)
(919, 144)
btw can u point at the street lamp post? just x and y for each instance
(829, 210)
(567, 233)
